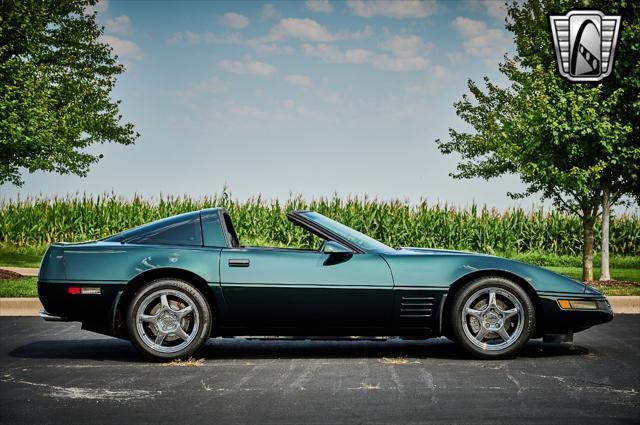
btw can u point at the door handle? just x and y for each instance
(238, 262)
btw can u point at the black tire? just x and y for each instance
(492, 321)
(160, 321)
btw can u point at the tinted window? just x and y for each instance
(186, 232)
(211, 229)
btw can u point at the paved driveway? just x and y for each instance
(57, 373)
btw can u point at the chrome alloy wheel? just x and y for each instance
(493, 319)
(167, 320)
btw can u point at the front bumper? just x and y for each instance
(558, 320)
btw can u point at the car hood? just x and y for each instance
(414, 250)
(430, 267)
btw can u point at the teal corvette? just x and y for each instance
(170, 285)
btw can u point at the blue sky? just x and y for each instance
(310, 98)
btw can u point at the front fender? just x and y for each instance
(442, 270)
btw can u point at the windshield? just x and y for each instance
(361, 240)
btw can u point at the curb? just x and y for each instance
(625, 304)
(31, 306)
(19, 306)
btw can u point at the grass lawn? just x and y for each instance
(28, 256)
(631, 275)
(16, 288)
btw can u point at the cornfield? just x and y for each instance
(42, 220)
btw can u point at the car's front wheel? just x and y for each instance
(168, 319)
(492, 317)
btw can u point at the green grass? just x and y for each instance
(631, 275)
(21, 256)
(545, 259)
(616, 290)
(15, 288)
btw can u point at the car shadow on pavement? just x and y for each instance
(111, 349)
(440, 348)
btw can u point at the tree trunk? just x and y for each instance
(604, 246)
(587, 253)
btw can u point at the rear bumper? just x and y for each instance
(95, 311)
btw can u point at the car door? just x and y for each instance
(290, 288)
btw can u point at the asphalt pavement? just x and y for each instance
(55, 373)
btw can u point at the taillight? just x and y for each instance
(77, 290)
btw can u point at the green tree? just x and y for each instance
(56, 77)
(622, 176)
(567, 141)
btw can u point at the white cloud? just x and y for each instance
(401, 64)
(330, 53)
(261, 46)
(120, 25)
(455, 57)
(272, 48)
(281, 110)
(101, 6)
(235, 20)
(211, 85)
(494, 8)
(329, 97)
(290, 28)
(291, 106)
(479, 40)
(304, 29)
(440, 72)
(123, 48)
(392, 9)
(245, 111)
(405, 46)
(322, 6)
(354, 35)
(268, 12)
(299, 80)
(209, 38)
(247, 67)
(407, 54)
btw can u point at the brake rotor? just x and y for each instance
(481, 305)
(175, 305)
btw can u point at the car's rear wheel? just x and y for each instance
(168, 319)
(492, 317)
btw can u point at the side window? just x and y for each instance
(212, 230)
(186, 232)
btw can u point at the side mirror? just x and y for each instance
(333, 247)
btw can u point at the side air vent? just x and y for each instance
(414, 306)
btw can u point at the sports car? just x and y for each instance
(169, 285)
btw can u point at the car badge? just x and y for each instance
(585, 43)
